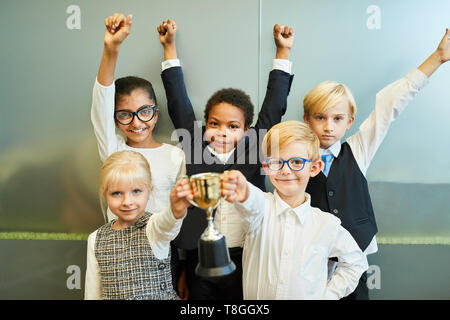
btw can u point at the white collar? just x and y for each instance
(302, 211)
(334, 149)
(223, 157)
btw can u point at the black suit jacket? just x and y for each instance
(246, 157)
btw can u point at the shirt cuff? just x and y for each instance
(171, 217)
(249, 203)
(98, 84)
(417, 78)
(170, 64)
(283, 65)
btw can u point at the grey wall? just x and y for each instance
(48, 179)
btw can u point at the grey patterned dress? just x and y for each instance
(128, 267)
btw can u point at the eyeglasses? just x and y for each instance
(144, 113)
(295, 163)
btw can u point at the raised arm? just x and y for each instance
(102, 111)
(438, 57)
(390, 102)
(279, 84)
(178, 103)
(117, 30)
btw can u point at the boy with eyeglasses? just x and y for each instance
(129, 104)
(288, 242)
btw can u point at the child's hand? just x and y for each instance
(284, 38)
(167, 31)
(183, 290)
(443, 49)
(438, 57)
(117, 29)
(234, 186)
(179, 197)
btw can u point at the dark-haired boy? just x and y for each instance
(226, 142)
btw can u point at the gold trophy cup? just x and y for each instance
(214, 259)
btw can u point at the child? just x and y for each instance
(129, 104)
(129, 257)
(329, 110)
(288, 241)
(230, 143)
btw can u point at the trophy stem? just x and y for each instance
(210, 234)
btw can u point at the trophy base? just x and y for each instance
(214, 259)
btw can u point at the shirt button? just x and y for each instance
(162, 286)
(161, 266)
(331, 193)
(335, 211)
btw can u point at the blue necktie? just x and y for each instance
(327, 158)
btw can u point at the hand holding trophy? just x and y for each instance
(214, 259)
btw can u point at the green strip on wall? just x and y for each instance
(414, 240)
(84, 236)
(42, 236)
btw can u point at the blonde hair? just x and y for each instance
(126, 167)
(284, 133)
(325, 95)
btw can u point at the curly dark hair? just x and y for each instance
(235, 97)
(126, 85)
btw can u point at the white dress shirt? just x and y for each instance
(161, 228)
(390, 102)
(227, 220)
(286, 251)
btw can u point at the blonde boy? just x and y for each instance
(341, 189)
(288, 242)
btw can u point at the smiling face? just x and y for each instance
(127, 200)
(138, 133)
(225, 126)
(291, 185)
(331, 124)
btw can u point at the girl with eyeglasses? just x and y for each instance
(130, 105)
